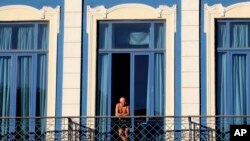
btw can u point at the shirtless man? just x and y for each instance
(121, 110)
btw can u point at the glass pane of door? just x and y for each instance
(131, 35)
(23, 95)
(120, 87)
(239, 81)
(120, 83)
(141, 84)
(239, 35)
(102, 96)
(5, 83)
(221, 85)
(141, 94)
(41, 90)
(159, 85)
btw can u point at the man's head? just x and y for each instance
(123, 101)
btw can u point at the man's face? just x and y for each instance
(122, 101)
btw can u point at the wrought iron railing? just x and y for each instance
(158, 128)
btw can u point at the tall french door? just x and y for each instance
(232, 73)
(23, 79)
(130, 64)
(23, 94)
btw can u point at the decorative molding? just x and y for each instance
(49, 11)
(163, 10)
(241, 4)
(216, 9)
(131, 5)
(97, 11)
(219, 11)
(210, 13)
(103, 12)
(36, 14)
(24, 7)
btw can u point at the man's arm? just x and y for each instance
(116, 111)
(127, 111)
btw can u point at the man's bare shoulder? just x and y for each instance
(117, 104)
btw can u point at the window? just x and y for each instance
(131, 58)
(133, 35)
(23, 73)
(213, 14)
(133, 14)
(141, 52)
(233, 56)
(232, 72)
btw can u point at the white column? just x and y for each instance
(190, 57)
(72, 58)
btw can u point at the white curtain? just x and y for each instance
(5, 37)
(25, 38)
(102, 94)
(5, 80)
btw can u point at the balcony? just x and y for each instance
(144, 128)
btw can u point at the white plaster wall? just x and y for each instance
(190, 57)
(72, 58)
